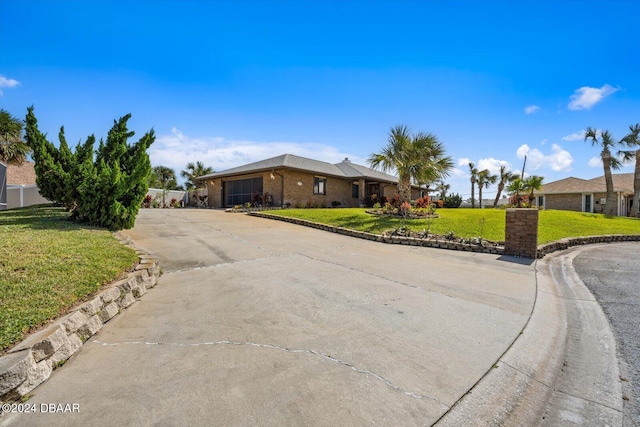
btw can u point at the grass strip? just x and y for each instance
(486, 223)
(48, 264)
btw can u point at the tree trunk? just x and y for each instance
(610, 206)
(480, 194)
(473, 194)
(636, 188)
(404, 189)
(500, 188)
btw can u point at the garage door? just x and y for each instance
(241, 191)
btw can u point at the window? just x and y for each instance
(541, 201)
(319, 185)
(355, 191)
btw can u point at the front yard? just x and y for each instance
(486, 223)
(48, 264)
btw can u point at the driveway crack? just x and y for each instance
(322, 355)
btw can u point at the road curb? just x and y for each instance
(561, 370)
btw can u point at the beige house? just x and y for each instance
(21, 189)
(299, 182)
(582, 195)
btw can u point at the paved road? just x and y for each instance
(260, 322)
(612, 274)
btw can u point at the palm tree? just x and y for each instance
(166, 177)
(420, 157)
(516, 186)
(474, 178)
(532, 183)
(484, 180)
(13, 150)
(608, 161)
(192, 172)
(506, 176)
(443, 188)
(632, 139)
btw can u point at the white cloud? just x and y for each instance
(463, 161)
(5, 82)
(576, 136)
(459, 173)
(559, 160)
(175, 150)
(531, 109)
(492, 164)
(586, 97)
(595, 162)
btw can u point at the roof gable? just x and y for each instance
(621, 182)
(21, 175)
(344, 169)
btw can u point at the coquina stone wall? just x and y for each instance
(32, 361)
(541, 250)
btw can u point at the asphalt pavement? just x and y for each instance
(612, 274)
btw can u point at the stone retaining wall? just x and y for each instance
(32, 361)
(542, 250)
(563, 244)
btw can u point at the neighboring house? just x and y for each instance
(21, 189)
(582, 195)
(299, 182)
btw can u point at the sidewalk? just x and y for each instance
(263, 322)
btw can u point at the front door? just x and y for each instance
(587, 203)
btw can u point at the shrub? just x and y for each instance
(405, 208)
(371, 200)
(423, 202)
(452, 201)
(103, 187)
(335, 203)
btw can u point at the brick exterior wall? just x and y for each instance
(337, 189)
(565, 202)
(573, 202)
(521, 233)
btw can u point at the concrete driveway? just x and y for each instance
(259, 322)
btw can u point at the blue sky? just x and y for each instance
(231, 82)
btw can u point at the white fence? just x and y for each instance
(19, 196)
(188, 198)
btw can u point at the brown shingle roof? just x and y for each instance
(345, 169)
(621, 182)
(21, 175)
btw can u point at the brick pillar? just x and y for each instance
(521, 233)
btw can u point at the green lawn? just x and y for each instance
(48, 264)
(487, 223)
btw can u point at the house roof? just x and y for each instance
(21, 175)
(344, 169)
(622, 182)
